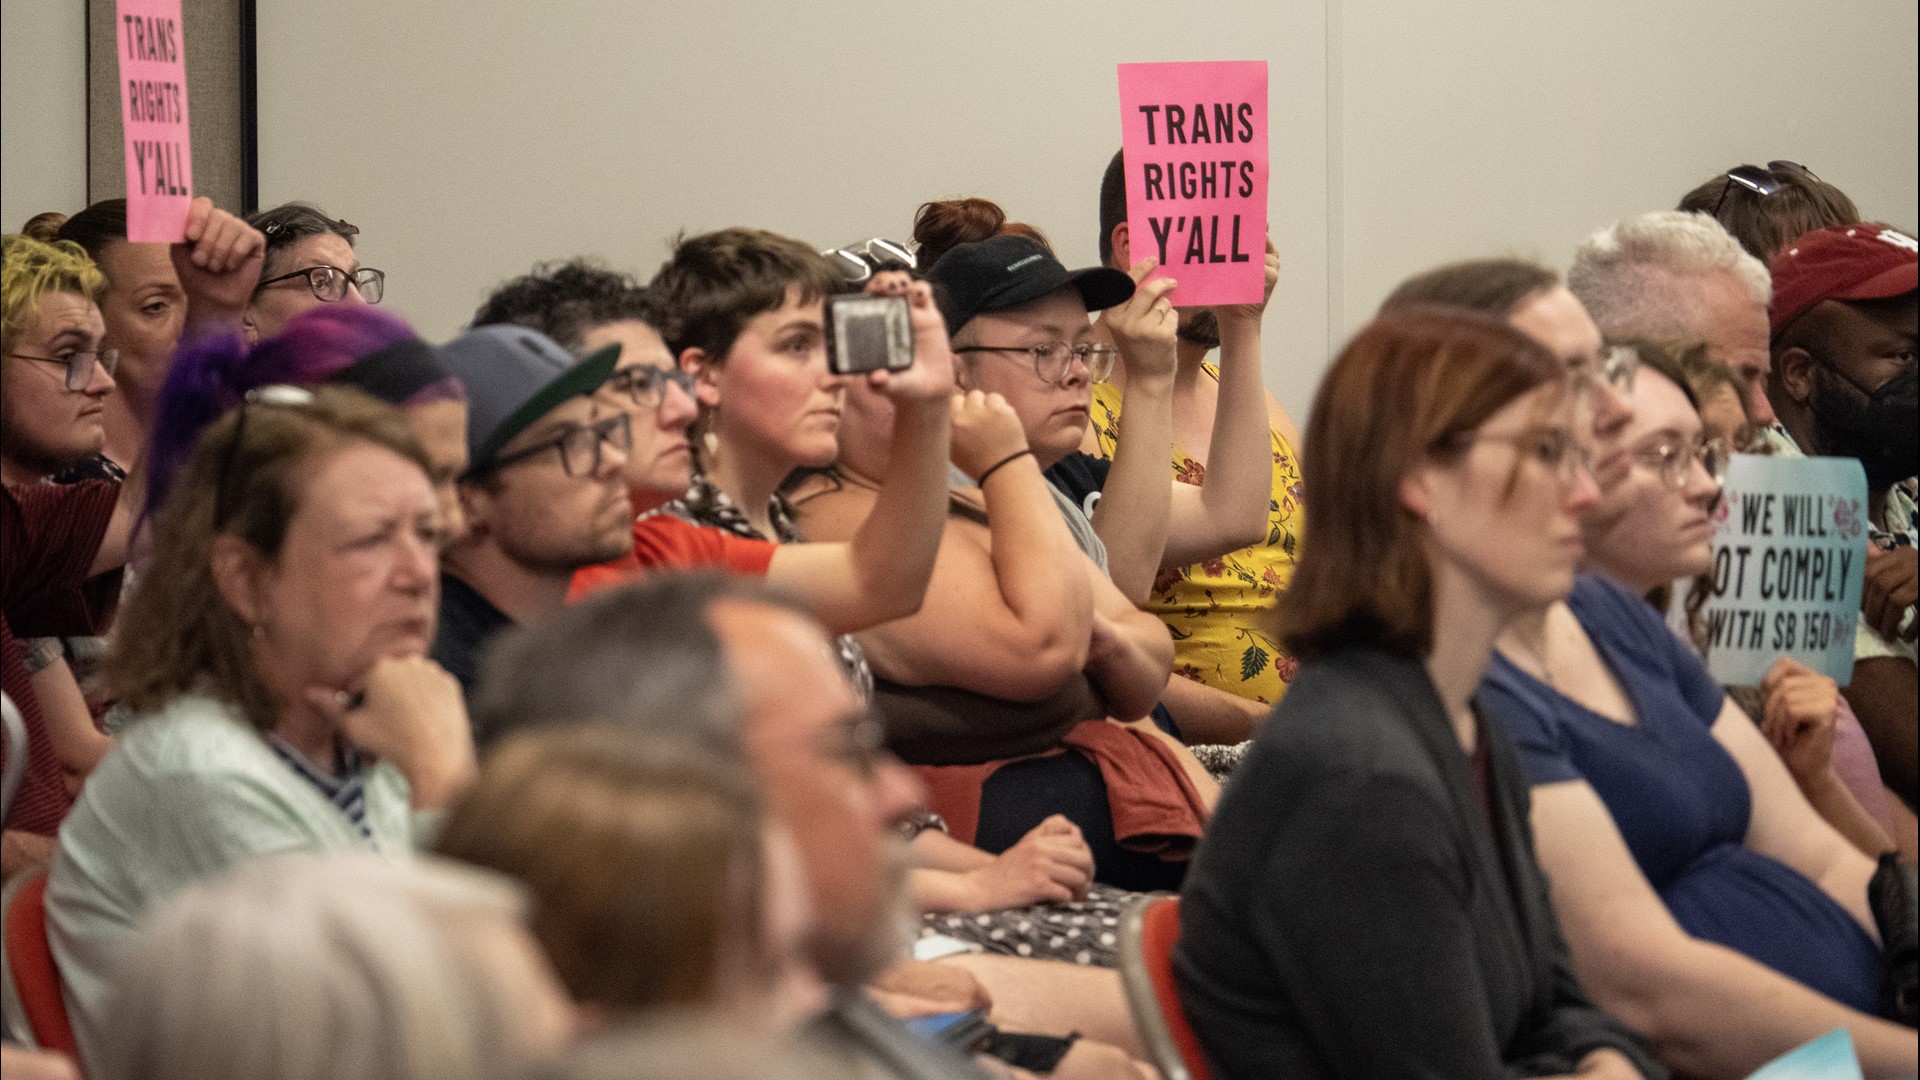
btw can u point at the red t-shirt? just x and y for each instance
(49, 534)
(663, 541)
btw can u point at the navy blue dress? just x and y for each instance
(1679, 799)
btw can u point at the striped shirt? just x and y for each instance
(345, 788)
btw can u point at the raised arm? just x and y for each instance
(1005, 614)
(218, 266)
(1712, 1012)
(1135, 503)
(1229, 511)
(1131, 653)
(880, 573)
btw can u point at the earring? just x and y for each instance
(711, 443)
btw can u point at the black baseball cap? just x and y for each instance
(1012, 271)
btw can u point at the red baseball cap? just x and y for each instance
(1845, 262)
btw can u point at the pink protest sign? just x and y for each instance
(1195, 137)
(153, 114)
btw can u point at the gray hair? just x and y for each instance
(641, 657)
(1633, 276)
(306, 967)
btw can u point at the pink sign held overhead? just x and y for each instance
(153, 114)
(1195, 139)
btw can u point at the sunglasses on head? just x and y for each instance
(855, 263)
(1762, 181)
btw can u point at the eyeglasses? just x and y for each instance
(1556, 448)
(329, 283)
(1054, 360)
(579, 447)
(646, 385)
(1674, 460)
(79, 365)
(855, 263)
(1614, 366)
(282, 396)
(1762, 182)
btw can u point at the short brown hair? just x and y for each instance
(643, 856)
(1766, 223)
(178, 633)
(1495, 287)
(1408, 387)
(718, 281)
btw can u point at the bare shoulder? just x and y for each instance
(829, 509)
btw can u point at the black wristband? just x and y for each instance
(995, 467)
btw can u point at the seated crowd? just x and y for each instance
(622, 688)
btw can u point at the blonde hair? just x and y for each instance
(306, 967)
(644, 857)
(33, 268)
(1626, 274)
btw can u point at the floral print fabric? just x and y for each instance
(1220, 611)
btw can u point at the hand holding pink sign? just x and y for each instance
(153, 114)
(1195, 141)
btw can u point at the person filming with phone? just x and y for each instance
(768, 334)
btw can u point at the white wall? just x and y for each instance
(43, 108)
(469, 141)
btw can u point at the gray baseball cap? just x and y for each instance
(513, 377)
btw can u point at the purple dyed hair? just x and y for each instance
(209, 377)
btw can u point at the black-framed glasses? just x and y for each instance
(1558, 449)
(79, 365)
(579, 446)
(278, 395)
(1054, 360)
(1674, 459)
(1614, 366)
(646, 385)
(329, 283)
(856, 263)
(1762, 181)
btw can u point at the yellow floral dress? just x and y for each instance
(1220, 611)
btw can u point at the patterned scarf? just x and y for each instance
(705, 504)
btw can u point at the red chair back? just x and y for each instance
(35, 981)
(1148, 934)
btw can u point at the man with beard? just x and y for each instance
(1233, 525)
(1845, 314)
(543, 494)
(743, 672)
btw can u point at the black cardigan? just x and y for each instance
(1350, 914)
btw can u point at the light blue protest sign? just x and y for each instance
(1829, 1057)
(1789, 556)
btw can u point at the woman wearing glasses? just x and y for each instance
(310, 261)
(1706, 902)
(54, 538)
(1366, 903)
(1023, 648)
(273, 656)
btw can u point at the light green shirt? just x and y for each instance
(184, 794)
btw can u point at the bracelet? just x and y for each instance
(995, 467)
